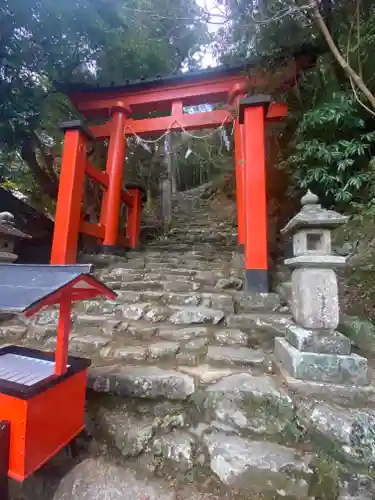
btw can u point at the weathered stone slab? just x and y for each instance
(218, 301)
(136, 311)
(247, 302)
(181, 286)
(188, 358)
(125, 353)
(157, 314)
(330, 368)
(206, 374)
(259, 466)
(231, 336)
(47, 317)
(151, 295)
(195, 315)
(141, 331)
(129, 296)
(96, 479)
(182, 299)
(125, 275)
(141, 381)
(328, 391)
(17, 332)
(88, 343)
(357, 487)
(177, 450)
(236, 355)
(229, 283)
(143, 285)
(344, 431)
(180, 334)
(197, 344)
(40, 333)
(163, 349)
(317, 341)
(102, 323)
(106, 307)
(129, 433)
(193, 351)
(247, 404)
(209, 277)
(275, 324)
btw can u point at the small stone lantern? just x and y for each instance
(315, 301)
(312, 349)
(8, 236)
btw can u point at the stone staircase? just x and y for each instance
(182, 383)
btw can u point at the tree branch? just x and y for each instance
(349, 71)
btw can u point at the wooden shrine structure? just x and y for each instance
(117, 108)
(42, 394)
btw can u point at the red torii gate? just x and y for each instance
(119, 105)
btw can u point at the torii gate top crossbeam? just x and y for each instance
(207, 86)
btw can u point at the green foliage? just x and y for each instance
(332, 151)
(328, 140)
(208, 159)
(100, 41)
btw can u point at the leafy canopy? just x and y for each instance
(101, 41)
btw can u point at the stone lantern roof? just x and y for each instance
(8, 236)
(312, 215)
(7, 229)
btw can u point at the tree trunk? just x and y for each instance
(166, 202)
(166, 184)
(354, 77)
(170, 164)
(47, 185)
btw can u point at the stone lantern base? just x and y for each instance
(7, 257)
(318, 356)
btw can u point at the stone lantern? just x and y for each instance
(312, 349)
(8, 236)
(315, 301)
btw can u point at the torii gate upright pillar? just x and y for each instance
(252, 115)
(110, 214)
(239, 169)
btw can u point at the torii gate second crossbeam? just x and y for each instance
(120, 105)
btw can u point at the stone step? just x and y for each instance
(198, 247)
(139, 266)
(216, 267)
(225, 300)
(189, 314)
(269, 322)
(191, 262)
(246, 404)
(222, 241)
(224, 245)
(141, 382)
(154, 313)
(140, 341)
(220, 355)
(236, 405)
(174, 285)
(215, 300)
(348, 433)
(220, 280)
(267, 469)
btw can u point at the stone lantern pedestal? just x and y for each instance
(313, 350)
